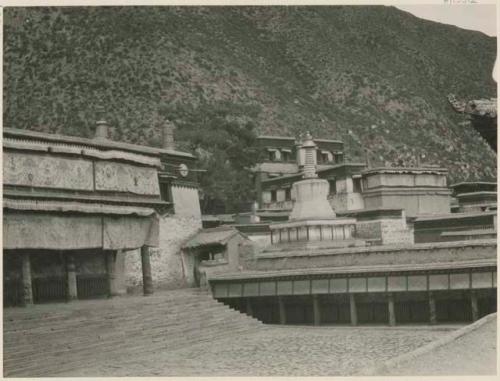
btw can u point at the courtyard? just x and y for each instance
(279, 351)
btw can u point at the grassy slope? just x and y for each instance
(374, 77)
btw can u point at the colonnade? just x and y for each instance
(316, 308)
(71, 275)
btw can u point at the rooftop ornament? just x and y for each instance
(101, 132)
(168, 141)
(310, 164)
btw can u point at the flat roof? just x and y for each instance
(292, 138)
(275, 137)
(478, 193)
(318, 171)
(263, 274)
(452, 216)
(328, 141)
(473, 183)
(109, 144)
(405, 170)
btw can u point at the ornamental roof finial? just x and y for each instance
(310, 162)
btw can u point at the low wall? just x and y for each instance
(431, 229)
(374, 255)
(414, 201)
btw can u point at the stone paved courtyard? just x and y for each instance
(279, 351)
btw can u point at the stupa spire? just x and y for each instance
(310, 159)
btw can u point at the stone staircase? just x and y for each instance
(44, 340)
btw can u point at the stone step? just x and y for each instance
(93, 332)
(15, 343)
(109, 350)
(128, 300)
(160, 336)
(37, 312)
(115, 317)
(126, 325)
(102, 313)
(123, 322)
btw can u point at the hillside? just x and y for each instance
(372, 76)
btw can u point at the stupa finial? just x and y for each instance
(310, 161)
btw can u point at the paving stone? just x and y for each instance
(280, 351)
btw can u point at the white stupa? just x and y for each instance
(312, 217)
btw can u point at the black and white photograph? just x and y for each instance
(238, 190)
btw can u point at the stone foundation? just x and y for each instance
(375, 255)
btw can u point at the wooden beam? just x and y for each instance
(282, 310)
(432, 309)
(316, 310)
(474, 306)
(71, 276)
(26, 273)
(390, 306)
(249, 309)
(110, 267)
(147, 279)
(353, 310)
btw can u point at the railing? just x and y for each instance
(49, 289)
(92, 286)
(12, 292)
(279, 205)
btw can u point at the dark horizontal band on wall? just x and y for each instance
(119, 198)
(404, 190)
(187, 184)
(476, 279)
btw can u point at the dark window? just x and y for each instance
(270, 155)
(356, 185)
(319, 158)
(325, 157)
(205, 256)
(333, 186)
(285, 156)
(288, 194)
(165, 191)
(273, 196)
(338, 158)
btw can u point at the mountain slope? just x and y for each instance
(373, 76)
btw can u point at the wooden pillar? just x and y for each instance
(354, 312)
(432, 309)
(281, 304)
(249, 307)
(392, 313)
(147, 279)
(110, 267)
(474, 306)
(316, 310)
(26, 273)
(71, 277)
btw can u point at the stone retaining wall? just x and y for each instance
(375, 255)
